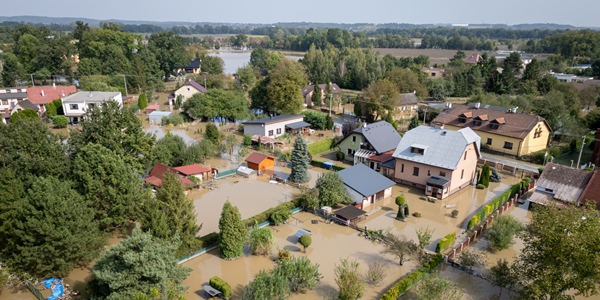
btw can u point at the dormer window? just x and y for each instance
(495, 124)
(478, 122)
(480, 119)
(462, 118)
(417, 148)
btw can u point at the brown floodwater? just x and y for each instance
(251, 196)
(330, 243)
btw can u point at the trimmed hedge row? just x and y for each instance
(445, 242)
(219, 284)
(412, 278)
(320, 146)
(319, 164)
(497, 202)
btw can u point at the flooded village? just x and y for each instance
(275, 162)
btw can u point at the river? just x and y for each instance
(235, 60)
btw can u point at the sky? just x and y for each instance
(582, 13)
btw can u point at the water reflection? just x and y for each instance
(235, 60)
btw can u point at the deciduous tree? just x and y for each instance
(169, 51)
(434, 287)
(300, 273)
(283, 88)
(348, 280)
(502, 275)
(24, 115)
(331, 189)
(267, 285)
(217, 103)
(502, 233)
(472, 258)
(399, 246)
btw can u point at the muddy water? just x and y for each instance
(330, 243)
(251, 195)
(434, 215)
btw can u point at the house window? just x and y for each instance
(549, 190)
(417, 150)
(91, 106)
(19, 90)
(350, 152)
(432, 74)
(73, 106)
(270, 132)
(462, 173)
(278, 130)
(489, 142)
(8, 90)
(428, 172)
(442, 173)
(188, 89)
(537, 133)
(446, 191)
(495, 126)
(508, 145)
(477, 122)
(462, 120)
(465, 158)
(402, 169)
(353, 138)
(4, 102)
(415, 171)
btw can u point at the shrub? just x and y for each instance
(172, 120)
(485, 176)
(60, 121)
(540, 170)
(247, 140)
(375, 273)
(261, 241)
(455, 213)
(240, 127)
(280, 215)
(305, 240)
(480, 186)
(220, 284)
(340, 155)
(400, 200)
(317, 120)
(445, 242)
(284, 254)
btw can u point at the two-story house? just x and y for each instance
(307, 93)
(441, 161)
(76, 105)
(186, 91)
(371, 144)
(406, 106)
(10, 96)
(42, 95)
(501, 129)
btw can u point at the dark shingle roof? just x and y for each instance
(381, 135)
(364, 180)
(407, 99)
(28, 105)
(13, 95)
(335, 89)
(516, 125)
(349, 212)
(196, 85)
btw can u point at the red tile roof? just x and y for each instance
(159, 171)
(256, 158)
(383, 156)
(475, 58)
(50, 93)
(592, 190)
(153, 107)
(191, 169)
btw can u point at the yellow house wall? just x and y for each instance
(531, 144)
(497, 141)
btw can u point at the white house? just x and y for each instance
(76, 105)
(186, 91)
(275, 126)
(10, 96)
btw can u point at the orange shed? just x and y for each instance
(259, 162)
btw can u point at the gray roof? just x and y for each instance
(196, 85)
(28, 105)
(445, 147)
(159, 113)
(438, 181)
(13, 95)
(297, 125)
(407, 98)
(381, 135)
(389, 164)
(364, 180)
(90, 96)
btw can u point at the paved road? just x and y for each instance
(521, 165)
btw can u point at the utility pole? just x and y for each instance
(330, 101)
(32, 82)
(580, 152)
(125, 82)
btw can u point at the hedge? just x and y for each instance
(220, 284)
(445, 242)
(320, 146)
(402, 285)
(493, 205)
(319, 164)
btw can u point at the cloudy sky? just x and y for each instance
(578, 13)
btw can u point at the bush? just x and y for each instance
(240, 127)
(340, 155)
(284, 254)
(305, 240)
(317, 120)
(455, 213)
(281, 215)
(172, 120)
(60, 121)
(445, 242)
(480, 186)
(375, 273)
(320, 146)
(540, 170)
(220, 284)
(261, 241)
(247, 140)
(497, 203)
(400, 200)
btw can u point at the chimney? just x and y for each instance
(415, 92)
(514, 111)
(365, 125)
(442, 127)
(54, 85)
(477, 105)
(449, 105)
(43, 95)
(90, 94)
(62, 93)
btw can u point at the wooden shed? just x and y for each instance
(260, 162)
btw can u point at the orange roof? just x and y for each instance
(153, 106)
(191, 169)
(158, 172)
(47, 94)
(256, 158)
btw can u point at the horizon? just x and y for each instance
(313, 11)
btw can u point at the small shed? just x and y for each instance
(157, 115)
(349, 215)
(151, 108)
(259, 162)
(194, 170)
